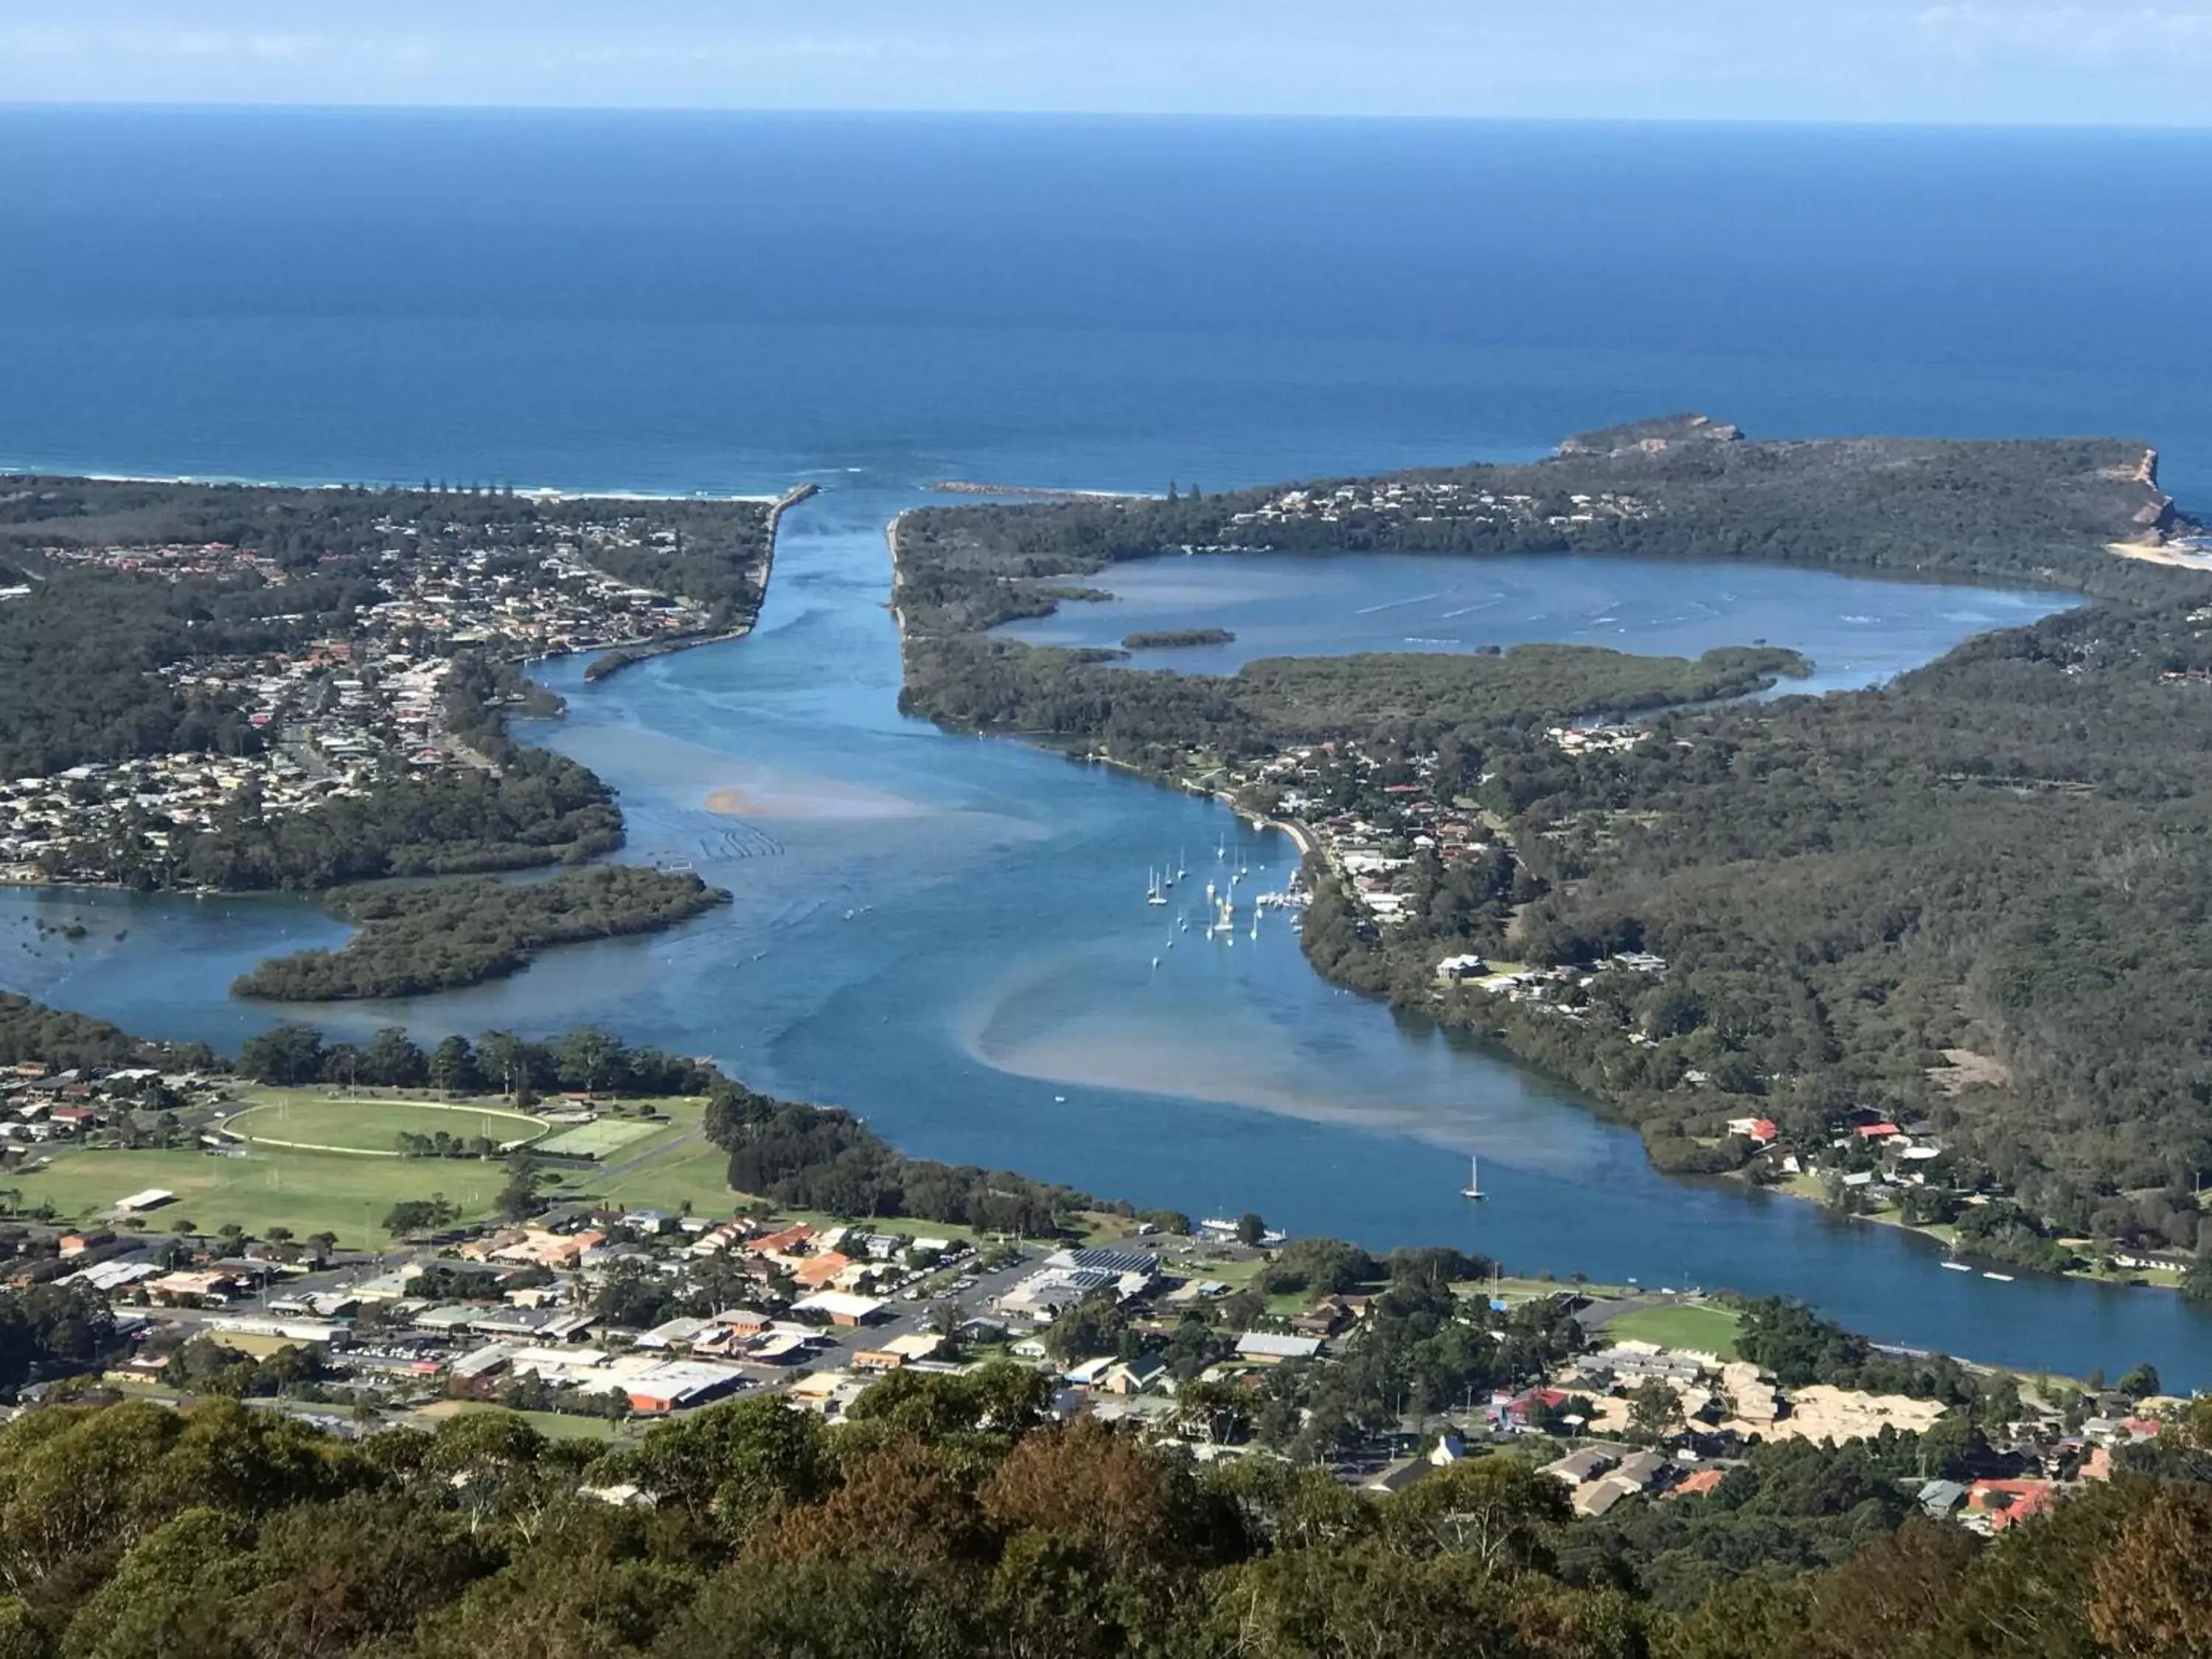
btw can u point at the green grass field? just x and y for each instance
(1704, 1329)
(349, 1194)
(303, 1118)
(308, 1192)
(599, 1140)
(696, 1172)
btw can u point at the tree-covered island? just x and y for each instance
(417, 940)
(1175, 639)
(1936, 952)
(236, 687)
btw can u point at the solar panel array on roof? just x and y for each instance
(1116, 1263)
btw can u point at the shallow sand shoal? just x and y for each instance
(804, 797)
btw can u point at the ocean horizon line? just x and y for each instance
(1377, 119)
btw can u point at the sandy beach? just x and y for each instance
(2159, 553)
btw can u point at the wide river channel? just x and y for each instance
(949, 936)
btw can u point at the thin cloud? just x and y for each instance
(2058, 36)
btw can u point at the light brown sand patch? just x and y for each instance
(798, 795)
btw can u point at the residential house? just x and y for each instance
(1138, 1375)
(1268, 1348)
(1993, 1505)
(820, 1272)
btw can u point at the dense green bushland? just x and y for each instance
(949, 1517)
(32, 1031)
(415, 941)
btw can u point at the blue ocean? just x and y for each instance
(949, 935)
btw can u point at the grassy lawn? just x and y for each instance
(1098, 1227)
(308, 1192)
(348, 1193)
(681, 1166)
(1704, 1329)
(696, 1171)
(304, 1119)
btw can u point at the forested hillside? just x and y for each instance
(949, 1517)
(2037, 510)
(2007, 853)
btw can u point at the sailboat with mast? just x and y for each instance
(1472, 1190)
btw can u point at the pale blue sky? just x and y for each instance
(2126, 62)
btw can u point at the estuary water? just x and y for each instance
(1856, 630)
(950, 935)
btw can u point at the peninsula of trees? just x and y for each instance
(1167, 639)
(415, 940)
(1775, 935)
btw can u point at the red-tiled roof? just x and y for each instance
(2029, 1498)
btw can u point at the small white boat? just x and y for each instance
(2001, 1279)
(1955, 1267)
(1473, 1188)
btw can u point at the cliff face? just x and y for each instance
(2157, 515)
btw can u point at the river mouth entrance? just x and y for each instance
(949, 936)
